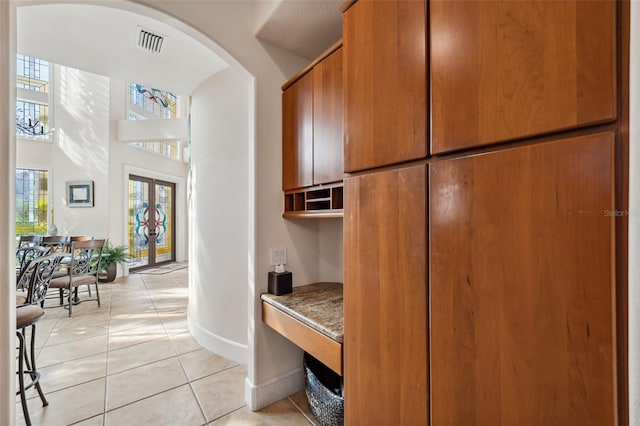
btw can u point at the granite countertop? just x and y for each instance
(318, 305)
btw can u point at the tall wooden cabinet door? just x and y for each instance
(385, 298)
(503, 70)
(297, 134)
(328, 156)
(522, 286)
(385, 97)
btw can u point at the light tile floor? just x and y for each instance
(133, 362)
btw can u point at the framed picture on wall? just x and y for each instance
(80, 193)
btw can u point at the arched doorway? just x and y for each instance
(244, 186)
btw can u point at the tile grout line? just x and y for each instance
(311, 422)
(150, 290)
(184, 370)
(106, 367)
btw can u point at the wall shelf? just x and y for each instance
(314, 202)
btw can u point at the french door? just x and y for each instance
(151, 222)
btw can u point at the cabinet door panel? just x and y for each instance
(385, 298)
(503, 70)
(385, 98)
(522, 286)
(328, 163)
(297, 134)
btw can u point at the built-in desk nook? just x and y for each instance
(312, 318)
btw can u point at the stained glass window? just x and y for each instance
(154, 103)
(31, 201)
(160, 103)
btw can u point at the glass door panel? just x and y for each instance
(151, 218)
(164, 222)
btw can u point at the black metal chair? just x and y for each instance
(55, 243)
(29, 240)
(75, 238)
(83, 269)
(38, 273)
(62, 271)
(25, 255)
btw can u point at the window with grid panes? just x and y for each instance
(33, 82)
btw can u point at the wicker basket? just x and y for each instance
(325, 405)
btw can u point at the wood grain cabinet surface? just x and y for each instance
(385, 298)
(297, 134)
(504, 70)
(328, 152)
(522, 287)
(385, 97)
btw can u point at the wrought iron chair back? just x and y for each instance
(85, 257)
(76, 238)
(38, 274)
(55, 243)
(24, 256)
(29, 240)
(82, 269)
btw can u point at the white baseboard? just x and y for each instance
(264, 394)
(218, 344)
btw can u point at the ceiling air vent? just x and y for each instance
(150, 41)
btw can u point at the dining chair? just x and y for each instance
(55, 243)
(83, 269)
(62, 271)
(25, 255)
(74, 238)
(28, 312)
(29, 240)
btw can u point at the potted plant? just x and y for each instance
(111, 256)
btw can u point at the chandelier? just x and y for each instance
(30, 127)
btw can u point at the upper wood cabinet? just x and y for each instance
(297, 134)
(312, 130)
(385, 298)
(504, 70)
(328, 163)
(385, 97)
(522, 285)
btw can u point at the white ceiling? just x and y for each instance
(103, 40)
(306, 27)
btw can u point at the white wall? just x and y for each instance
(7, 214)
(80, 149)
(330, 250)
(634, 220)
(219, 207)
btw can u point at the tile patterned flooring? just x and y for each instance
(133, 362)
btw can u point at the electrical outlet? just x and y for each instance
(278, 256)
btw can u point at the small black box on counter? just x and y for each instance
(280, 282)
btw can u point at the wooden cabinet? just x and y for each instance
(312, 143)
(385, 298)
(297, 134)
(385, 98)
(516, 242)
(505, 70)
(328, 163)
(522, 286)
